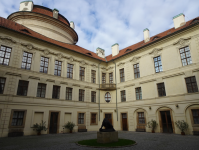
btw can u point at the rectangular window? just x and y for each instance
(185, 56)
(70, 71)
(2, 85)
(93, 76)
(69, 93)
(122, 75)
(141, 118)
(17, 118)
(191, 84)
(57, 71)
(123, 96)
(93, 118)
(138, 92)
(22, 88)
(93, 96)
(41, 90)
(103, 77)
(44, 64)
(161, 89)
(81, 95)
(81, 73)
(5, 53)
(56, 92)
(81, 118)
(195, 113)
(26, 61)
(158, 64)
(136, 71)
(111, 77)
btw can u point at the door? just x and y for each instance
(141, 122)
(166, 122)
(53, 122)
(124, 122)
(109, 118)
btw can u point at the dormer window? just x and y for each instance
(25, 30)
(89, 54)
(195, 21)
(155, 38)
(128, 50)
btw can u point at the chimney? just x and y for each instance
(146, 35)
(26, 6)
(100, 52)
(179, 20)
(115, 49)
(55, 13)
(72, 25)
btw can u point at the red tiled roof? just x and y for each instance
(48, 12)
(142, 43)
(18, 27)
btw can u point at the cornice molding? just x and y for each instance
(182, 41)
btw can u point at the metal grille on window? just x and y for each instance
(136, 71)
(138, 92)
(93, 76)
(93, 118)
(41, 90)
(103, 77)
(57, 71)
(44, 65)
(81, 95)
(81, 73)
(161, 89)
(81, 118)
(26, 61)
(56, 92)
(123, 96)
(111, 77)
(5, 53)
(17, 118)
(2, 85)
(158, 64)
(141, 118)
(185, 56)
(107, 97)
(191, 84)
(22, 88)
(69, 93)
(122, 75)
(70, 71)
(93, 96)
(195, 113)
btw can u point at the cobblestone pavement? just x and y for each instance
(145, 141)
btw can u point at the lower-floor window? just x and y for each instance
(195, 113)
(22, 88)
(69, 93)
(56, 92)
(17, 118)
(81, 95)
(93, 118)
(141, 118)
(2, 85)
(81, 118)
(93, 96)
(138, 92)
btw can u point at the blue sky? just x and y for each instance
(102, 23)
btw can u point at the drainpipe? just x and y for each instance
(116, 90)
(99, 87)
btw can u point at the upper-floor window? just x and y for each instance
(44, 64)
(111, 77)
(26, 60)
(2, 85)
(22, 88)
(81, 73)
(138, 92)
(41, 90)
(93, 76)
(56, 92)
(123, 96)
(103, 77)
(158, 64)
(57, 70)
(195, 113)
(161, 89)
(185, 56)
(70, 71)
(191, 84)
(136, 71)
(81, 95)
(122, 75)
(93, 96)
(107, 97)
(69, 93)
(5, 53)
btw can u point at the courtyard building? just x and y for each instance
(45, 76)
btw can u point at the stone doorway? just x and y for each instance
(53, 122)
(166, 122)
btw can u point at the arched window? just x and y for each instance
(107, 97)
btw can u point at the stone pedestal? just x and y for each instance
(107, 137)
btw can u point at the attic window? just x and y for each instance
(89, 54)
(128, 50)
(195, 21)
(24, 30)
(155, 38)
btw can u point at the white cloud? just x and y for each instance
(101, 23)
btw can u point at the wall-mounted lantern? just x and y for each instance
(177, 106)
(150, 107)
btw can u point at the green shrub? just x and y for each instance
(69, 125)
(39, 127)
(182, 125)
(152, 124)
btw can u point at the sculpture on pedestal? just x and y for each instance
(108, 126)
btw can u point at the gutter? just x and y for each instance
(99, 88)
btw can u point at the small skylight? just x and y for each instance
(155, 38)
(89, 54)
(195, 21)
(25, 30)
(128, 50)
